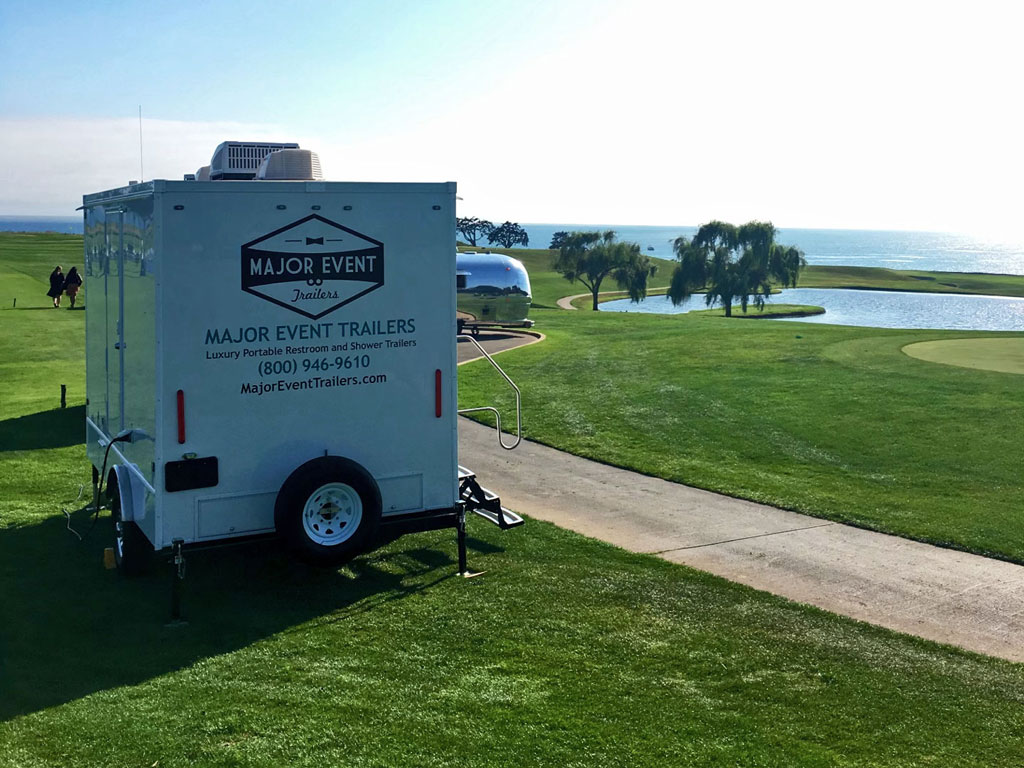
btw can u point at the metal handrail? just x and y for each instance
(497, 416)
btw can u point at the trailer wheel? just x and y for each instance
(328, 510)
(133, 553)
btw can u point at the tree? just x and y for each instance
(557, 240)
(733, 263)
(508, 234)
(590, 257)
(473, 228)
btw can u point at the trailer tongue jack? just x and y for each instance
(178, 561)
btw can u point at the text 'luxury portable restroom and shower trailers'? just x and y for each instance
(274, 356)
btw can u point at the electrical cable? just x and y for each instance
(99, 492)
(67, 514)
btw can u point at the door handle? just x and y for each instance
(119, 345)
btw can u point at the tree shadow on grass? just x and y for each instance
(69, 628)
(58, 428)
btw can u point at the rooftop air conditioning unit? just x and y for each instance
(290, 165)
(241, 159)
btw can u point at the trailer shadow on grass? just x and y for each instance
(58, 428)
(69, 628)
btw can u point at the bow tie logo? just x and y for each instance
(314, 241)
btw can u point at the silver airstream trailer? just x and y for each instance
(492, 290)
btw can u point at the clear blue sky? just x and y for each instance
(350, 66)
(868, 114)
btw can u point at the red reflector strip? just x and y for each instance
(181, 416)
(437, 393)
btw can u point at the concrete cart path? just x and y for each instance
(566, 301)
(939, 594)
(494, 342)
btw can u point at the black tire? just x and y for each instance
(133, 554)
(328, 511)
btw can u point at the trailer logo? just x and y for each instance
(312, 266)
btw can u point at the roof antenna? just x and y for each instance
(142, 175)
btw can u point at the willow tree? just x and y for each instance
(590, 257)
(733, 263)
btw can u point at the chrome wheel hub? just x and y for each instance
(331, 514)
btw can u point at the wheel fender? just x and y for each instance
(132, 493)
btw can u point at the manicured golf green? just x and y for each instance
(566, 652)
(1004, 355)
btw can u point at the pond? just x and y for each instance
(877, 309)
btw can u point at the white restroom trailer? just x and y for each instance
(275, 357)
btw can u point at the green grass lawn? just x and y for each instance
(768, 310)
(833, 421)
(40, 347)
(877, 278)
(26, 261)
(567, 652)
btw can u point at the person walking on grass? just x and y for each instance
(72, 284)
(56, 286)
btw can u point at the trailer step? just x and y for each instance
(504, 519)
(484, 502)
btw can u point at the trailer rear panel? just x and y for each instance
(241, 329)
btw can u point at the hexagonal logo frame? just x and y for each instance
(312, 266)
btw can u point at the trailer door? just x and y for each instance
(114, 289)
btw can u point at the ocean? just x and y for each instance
(63, 224)
(849, 247)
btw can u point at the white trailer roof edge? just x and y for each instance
(268, 187)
